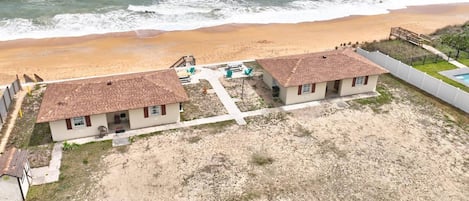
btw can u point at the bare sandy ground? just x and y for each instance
(409, 151)
(58, 58)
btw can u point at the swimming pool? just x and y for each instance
(460, 75)
(463, 77)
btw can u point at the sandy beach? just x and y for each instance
(59, 58)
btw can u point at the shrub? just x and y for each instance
(261, 159)
(194, 139)
(69, 146)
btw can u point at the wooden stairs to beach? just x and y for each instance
(29, 79)
(410, 36)
(184, 61)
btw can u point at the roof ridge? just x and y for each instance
(166, 88)
(293, 71)
(153, 81)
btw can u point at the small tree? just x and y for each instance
(459, 41)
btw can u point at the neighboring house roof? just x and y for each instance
(319, 67)
(110, 94)
(12, 163)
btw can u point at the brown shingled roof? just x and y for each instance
(12, 163)
(110, 94)
(319, 67)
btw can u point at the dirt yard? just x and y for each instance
(202, 104)
(253, 96)
(410, 149)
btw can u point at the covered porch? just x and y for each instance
(118, 122)
(333, 88)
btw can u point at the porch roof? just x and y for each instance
(317, 67)
(109, 94)
(12, 163)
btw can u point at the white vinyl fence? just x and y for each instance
(436, 87)
(6, 98)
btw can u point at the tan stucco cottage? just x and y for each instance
(82, 108)
(15, 175)
(308, 77)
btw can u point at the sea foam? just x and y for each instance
(171, 15)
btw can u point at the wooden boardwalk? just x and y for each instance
(184, 61)
(410, 36)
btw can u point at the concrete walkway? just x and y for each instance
(49, 174)
(340, 101)
(444, 56)
(213, 78)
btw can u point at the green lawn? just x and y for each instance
(432, 69)
(464, 61)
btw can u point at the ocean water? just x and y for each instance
(59, 18)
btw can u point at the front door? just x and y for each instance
(336, 85)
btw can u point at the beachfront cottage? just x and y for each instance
(308, 77)
(87, 107)
(15, 175)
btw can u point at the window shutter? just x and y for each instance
(366, 80)
(69, 124)
(353, 82)
(313, 87)
(88, 121)
(163, 110)
(145, 112)
(299, 89)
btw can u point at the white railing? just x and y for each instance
(436, 87)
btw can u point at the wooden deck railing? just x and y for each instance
(408, 35)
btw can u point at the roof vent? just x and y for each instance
(109, 83)
(324, 57)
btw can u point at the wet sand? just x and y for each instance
(59, 58)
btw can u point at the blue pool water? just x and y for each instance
(463, 77)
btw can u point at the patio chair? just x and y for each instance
(247, 71)
(229, 73)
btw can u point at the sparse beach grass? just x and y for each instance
(385, 97)
(401, 50)
(254, 95)
(280, 155)
(81, 168)
(203, 102)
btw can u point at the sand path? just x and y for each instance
(12, 119)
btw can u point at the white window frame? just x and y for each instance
(360, 81)
(77, 119)
(304, 87)
(154, 110)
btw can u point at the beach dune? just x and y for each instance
(60, 58)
